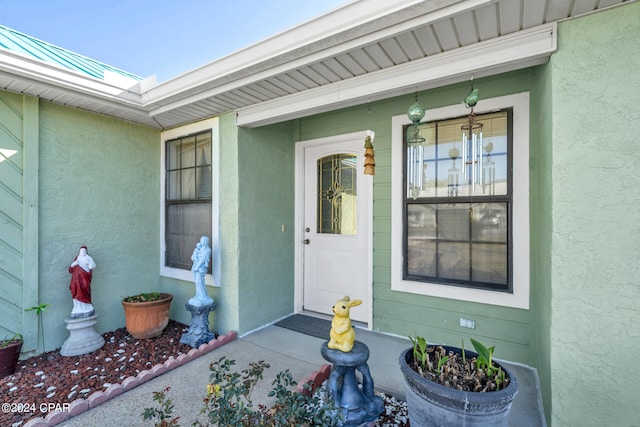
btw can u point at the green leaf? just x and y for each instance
(481, 349)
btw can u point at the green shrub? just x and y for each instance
(229, 401)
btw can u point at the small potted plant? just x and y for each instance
(9, 354)
(146, 314)
(450, 386)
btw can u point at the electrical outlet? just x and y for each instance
(467, 323)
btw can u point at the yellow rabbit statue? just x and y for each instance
(342, 333)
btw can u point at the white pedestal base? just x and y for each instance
(83, 338)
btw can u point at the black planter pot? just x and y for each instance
(432, 404)
(9, 356)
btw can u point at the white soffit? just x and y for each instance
(502, 54)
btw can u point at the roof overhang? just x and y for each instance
(508, 53)
(59, 85)
(364, 51)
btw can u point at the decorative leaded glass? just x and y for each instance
(337, 180)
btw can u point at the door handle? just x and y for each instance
(307, 241)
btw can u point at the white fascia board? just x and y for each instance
(302, 36)
(40, 72)
(313, 42)
(507, 53)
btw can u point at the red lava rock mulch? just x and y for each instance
(52, 387)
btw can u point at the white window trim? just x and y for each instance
(520, 296)
(176, 273)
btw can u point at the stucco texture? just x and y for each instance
(99, 187)
(595, 316)
(265, 224)
(256, 201)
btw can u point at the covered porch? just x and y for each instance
(300, 353)
(355, 69)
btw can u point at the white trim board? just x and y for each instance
(299, 219)
(176, 273)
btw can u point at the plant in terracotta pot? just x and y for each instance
(453, 386)
(146, 314)
(9, 354)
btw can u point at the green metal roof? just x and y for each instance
(31, 47)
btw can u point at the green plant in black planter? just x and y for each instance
(7, 341)
(453, 386)
(9, 354)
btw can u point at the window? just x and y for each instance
(460, 230)
(457, 207)
(189, 194)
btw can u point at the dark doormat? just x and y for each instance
(307, 325)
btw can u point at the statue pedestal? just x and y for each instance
(83, 338)
(358, 406)
(198, 332)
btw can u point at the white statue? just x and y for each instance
(200, 258)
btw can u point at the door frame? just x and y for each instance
(300, 147)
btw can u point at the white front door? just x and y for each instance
(334, 232)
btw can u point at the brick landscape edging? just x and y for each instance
(315, 380)
(99, 397)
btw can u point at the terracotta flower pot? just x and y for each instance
(147, 319)
(9, 356)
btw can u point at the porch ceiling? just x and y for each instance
(363, 51)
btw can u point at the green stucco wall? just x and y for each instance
(509, 329)
(256, 202)
(540, 220)
(98, 186)
(265, 224)
(595, 309)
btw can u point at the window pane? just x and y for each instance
(420, 166)
(173, 185)
(453, 222)
(454, 261)
(436, 168)
(188, 152)
(186, 223)
(204, 149)
(440, 236)
(188, 184)
(489, 263)
(203, 182)
(449, 148)
(421, 222)
(421, 245)
(421, 257)
(173, 152)
(494, 164)
(489, 222)
(337, 195)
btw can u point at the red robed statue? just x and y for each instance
(80, 285)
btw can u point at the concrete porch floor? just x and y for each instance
(285, 349)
